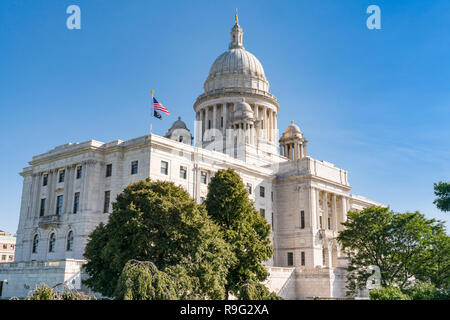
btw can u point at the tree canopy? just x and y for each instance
(442, 192)
(243, 228)
(160, 223)
(407, 247)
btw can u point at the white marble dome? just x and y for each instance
(236, 68)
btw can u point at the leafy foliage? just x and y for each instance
(44, 292)
(442, 192)
(243, 228)
(160, 223)
(256, 291)
(143, 281)
(388, 293)
(41, 292)
(400, 244)
(427, 291)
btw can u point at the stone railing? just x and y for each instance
(49, 221)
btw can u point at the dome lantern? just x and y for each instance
(236, 35)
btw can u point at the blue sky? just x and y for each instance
(374, 102)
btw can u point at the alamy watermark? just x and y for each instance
(74, 20)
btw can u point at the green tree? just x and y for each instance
(427, 291)
(395, 242)
(141, 280)
(158, 222)
(243, 227)
(388, 293)
(254, 290)
(44, 292)
(442, 192)
(433, 264)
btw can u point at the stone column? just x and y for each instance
(276, 127)
(344, 210)
(214, 118)
(274, 133)
(202, 127)
(312, 208)
(34, 196)
(269, 127)
(335, 213)
(255, 112)
(67, 181)
(198, 127)
(206, 118)
(52, 176)
(265, 122)
(224, 116)
(325, 210)
(295, 151)
(318, 208)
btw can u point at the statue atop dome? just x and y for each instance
(236, 35)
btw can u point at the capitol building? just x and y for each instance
(70, 189)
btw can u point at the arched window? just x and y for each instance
(69, 246)
(35, 243)
(51, 242)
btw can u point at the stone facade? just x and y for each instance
(68, 191)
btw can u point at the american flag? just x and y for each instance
(159, 106)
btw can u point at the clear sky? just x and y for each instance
(373, 102)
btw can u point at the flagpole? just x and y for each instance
(151, 131)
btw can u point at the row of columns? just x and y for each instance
(267, 119)
(293, 150)
(330, 216)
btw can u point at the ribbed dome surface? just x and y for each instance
(237, 61)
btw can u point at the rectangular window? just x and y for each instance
(10, 258)
(302, 219)
(290, 259)
(45, 180)
(329, 223)
(76, 202)
(79, 170)
(42, 209)
(134, 167)
(320, 222)
(108, 170)
(271, 196)
(59, 204)
(204, 177)
(164, 167)
(262, 212)
(183, 172)
(249, 188)
(107, 200)
(62, 174)
(303, 258)
(262, 192)
(221, 122)
(4, 257)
